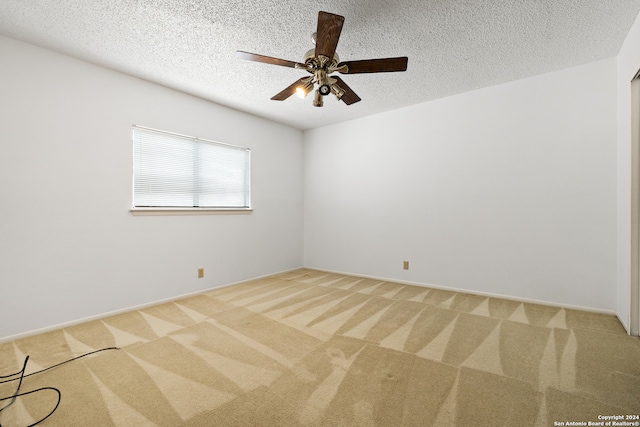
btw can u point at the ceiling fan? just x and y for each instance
(323, 61)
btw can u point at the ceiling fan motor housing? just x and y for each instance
(311, 60)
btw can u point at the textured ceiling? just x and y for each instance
(453, 45)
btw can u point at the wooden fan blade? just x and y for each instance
(384, 65)
(349, 96)
(267, 59)
(290, 90)
(328, 33)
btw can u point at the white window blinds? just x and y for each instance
(177, 171)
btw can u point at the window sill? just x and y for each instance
(189, 211)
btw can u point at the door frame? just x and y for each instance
(634, 291)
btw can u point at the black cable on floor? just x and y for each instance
(35, 391)
(22, 375)
(56, 365)
(15, 394)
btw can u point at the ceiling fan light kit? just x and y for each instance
(323, 61)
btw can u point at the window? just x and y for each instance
(172, 171)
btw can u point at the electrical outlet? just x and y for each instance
(200, 273)
(405, 265)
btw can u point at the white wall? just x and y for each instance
(508, 190)
(69, 248)
(628, 65)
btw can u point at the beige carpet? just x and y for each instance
(309, 348)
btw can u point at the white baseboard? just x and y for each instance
(386, 279)
(624, 324)
(474, 292)
(128, 309)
